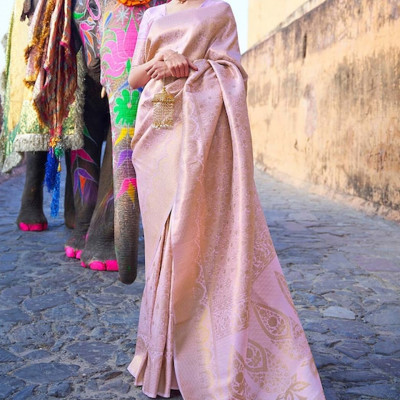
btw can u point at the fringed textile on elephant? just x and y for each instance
(21, 130)
(52, 72)
(32, 136)
(217, 320)
(38, 36)
(52, 63)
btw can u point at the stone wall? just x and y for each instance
(324, 96)
(267, 15)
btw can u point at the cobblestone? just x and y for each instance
(68, 332)
(60, 390)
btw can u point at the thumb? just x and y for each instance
(193, 66)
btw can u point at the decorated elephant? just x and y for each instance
(101, 207)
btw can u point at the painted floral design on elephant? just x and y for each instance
(87, 14)
(120, 31)
(126, 107)
(118, 44)
(85, 185)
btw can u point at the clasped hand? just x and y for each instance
(170, 64)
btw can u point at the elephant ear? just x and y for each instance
(86, 21)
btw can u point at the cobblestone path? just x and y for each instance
(68, 332)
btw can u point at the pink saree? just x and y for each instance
(217, 320)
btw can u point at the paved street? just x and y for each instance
(68, 332)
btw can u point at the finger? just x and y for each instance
(178, 71)
(193, 66)
(166, 73)
(181, 71)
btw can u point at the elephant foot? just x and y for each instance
(99, 252)
(108, 265)
(70, 252)
(75, 244)
(33, 227)
(32, 219)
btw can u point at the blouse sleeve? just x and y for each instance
(140, 48)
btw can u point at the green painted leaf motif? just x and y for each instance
(126, 107)
(78, 15)
(86, 131)
(128, 66)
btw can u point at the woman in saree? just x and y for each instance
(217, 320)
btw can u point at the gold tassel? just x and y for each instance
(163, 110)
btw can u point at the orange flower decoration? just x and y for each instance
(131, 3)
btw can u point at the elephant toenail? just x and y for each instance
(97, 266)
(111, 265)
(70, 252)
(32, 227)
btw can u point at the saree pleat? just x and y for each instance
(153, 364)
(226, 312)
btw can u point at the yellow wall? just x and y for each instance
(266, 15)
(17, 70)
(324, 99)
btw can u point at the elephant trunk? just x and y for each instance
(126, 239)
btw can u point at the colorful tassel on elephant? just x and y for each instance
(52, 176)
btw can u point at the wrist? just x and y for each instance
(167, 54)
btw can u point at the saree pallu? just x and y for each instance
(217, 320)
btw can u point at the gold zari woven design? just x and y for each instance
(163, 110)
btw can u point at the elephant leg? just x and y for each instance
(123, 105)
(31, 216)
(127, 217)
(69, 207)
(119, 35)
(85, 166)
(99, 252)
